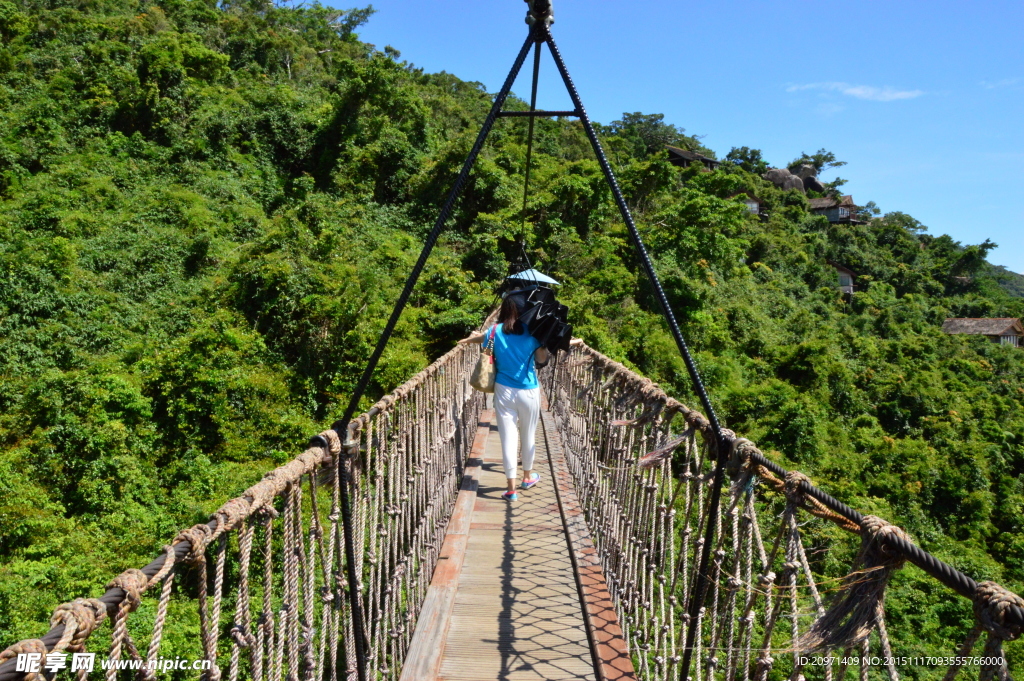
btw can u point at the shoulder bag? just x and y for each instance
(484, 372)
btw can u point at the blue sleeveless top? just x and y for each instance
(513, 354)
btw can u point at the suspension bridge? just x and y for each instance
(659, 546)
(587, 577)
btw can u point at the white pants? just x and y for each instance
(517, 410)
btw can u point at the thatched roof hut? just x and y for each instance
(1005, 330)
(836, 209)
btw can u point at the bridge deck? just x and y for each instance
(505, 601)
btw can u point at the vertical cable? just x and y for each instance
(529, 139)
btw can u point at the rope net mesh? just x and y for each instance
(263, 584)
(779, 588)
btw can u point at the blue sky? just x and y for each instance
(924, 101)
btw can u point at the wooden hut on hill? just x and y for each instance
(846, 277)
(683, 158)
(836, 209)
(1004, 330)
(754, 205)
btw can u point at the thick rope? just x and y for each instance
(854, 614)
(31, 646)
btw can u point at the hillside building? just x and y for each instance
(755, 206)
(836, 209)
(846, 278)
(1003, 330)
(683, 158)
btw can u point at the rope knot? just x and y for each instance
(741, 455)
(333, 442)
(231, 514)
(133, 582)
(991, 605)
(29, 646)
(874, 531)
(854, 613)
(794, 494)
(242, 638)
(80, 618)
(199, 536)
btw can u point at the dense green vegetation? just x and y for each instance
(1011, 281)
(208, 209)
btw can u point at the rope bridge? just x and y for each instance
(267, 573)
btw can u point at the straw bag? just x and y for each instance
(484, 372)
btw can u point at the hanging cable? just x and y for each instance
(529, 141)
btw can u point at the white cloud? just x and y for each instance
(1005, 82)
(869, 92)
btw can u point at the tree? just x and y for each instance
(972, 259)
(833, 186)
(345, 22)
(650, 133)
(821, 160)
(748, 159)
(869, 211)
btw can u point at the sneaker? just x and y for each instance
(511, 496)
(527, 484)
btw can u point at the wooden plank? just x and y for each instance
(523, 528)
(517, 613)
(449, 562)
(611, 654)
(423, 660)
(431, 627)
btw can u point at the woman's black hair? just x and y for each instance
(508, 315)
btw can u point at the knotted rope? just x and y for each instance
(133, 582)
(991, 606)
(854, 613)
(31, 646)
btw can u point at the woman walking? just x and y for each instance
(516, 391)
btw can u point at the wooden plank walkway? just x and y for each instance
(505, 600)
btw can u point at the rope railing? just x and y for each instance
(644, 479)
(268, 569)
(266, 576)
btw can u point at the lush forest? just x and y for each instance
(207, 210)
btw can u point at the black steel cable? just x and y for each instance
(529, 138)
(944, 572)
(341, 426)
(691, 367)
(112, 598)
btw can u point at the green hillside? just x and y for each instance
(1011, 281)
(207, 211)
